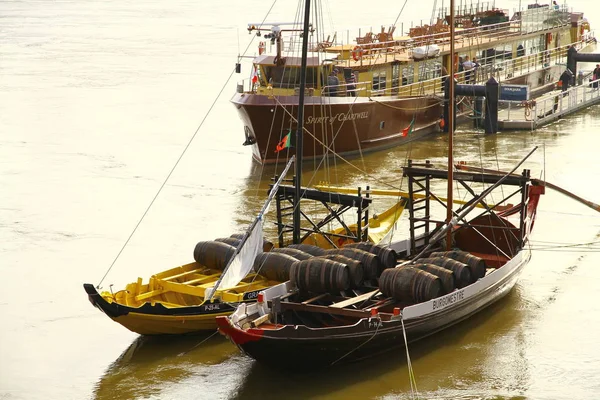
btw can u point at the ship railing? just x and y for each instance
(550, 106)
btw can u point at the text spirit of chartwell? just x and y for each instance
(337, 117)
(448, 300)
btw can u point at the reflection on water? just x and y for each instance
(151, 365)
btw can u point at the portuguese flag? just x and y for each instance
(408, 130)
(285, 143)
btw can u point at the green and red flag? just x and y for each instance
(409, 129)
(285, 143)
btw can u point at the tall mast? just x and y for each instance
(451, 117)
(298, 180)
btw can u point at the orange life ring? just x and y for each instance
(357, 53)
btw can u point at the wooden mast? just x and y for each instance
(298, 179)
(451, 117)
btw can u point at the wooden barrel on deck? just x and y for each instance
(462, 273)
(476, 264)
(446, 276)
(274, 266)
(297, 254)
(371, 263)
(230, 241)
(308, 248)
(355, 268)
(320, 275)
(409, 284)
(387, 255)
(214, 255)
(267, 245)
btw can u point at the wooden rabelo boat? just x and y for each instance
(444, 272)
(383, 89)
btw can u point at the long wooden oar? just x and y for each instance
(590, 204)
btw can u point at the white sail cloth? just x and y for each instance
(243, 261)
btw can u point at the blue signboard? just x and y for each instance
(514, 92)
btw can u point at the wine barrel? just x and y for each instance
(387, 255)
(214, 255)
(230, 241)
(297, 254)
(371, 263)
(267, 245)
(308, 248)
(409, 284)
(462, 273)
(476, 264)
(446, 276)
(320, 275)
(355, 268)
(274, 266)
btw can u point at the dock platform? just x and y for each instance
(532, 114)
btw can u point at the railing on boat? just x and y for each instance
(489, 66)
(543, 109)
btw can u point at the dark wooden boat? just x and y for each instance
(295, 328)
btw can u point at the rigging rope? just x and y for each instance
(176, 164)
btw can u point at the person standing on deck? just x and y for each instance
(351, 82)
(468, 67)
(333, 82)
(596, 75)
(565, 79)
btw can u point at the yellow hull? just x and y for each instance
(147, 324)
(173, 303)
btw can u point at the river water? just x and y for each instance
(98, 99)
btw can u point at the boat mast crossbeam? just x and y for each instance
(345, 203)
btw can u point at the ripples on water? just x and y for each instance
(97, 101)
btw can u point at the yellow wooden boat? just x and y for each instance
(173, 301)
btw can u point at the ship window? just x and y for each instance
(408, 76)
(286, 77)
(379, 78)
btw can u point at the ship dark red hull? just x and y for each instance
(344, 125)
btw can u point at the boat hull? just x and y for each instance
(346, 125)
(156, 319)
(308, 348)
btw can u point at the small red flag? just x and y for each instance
(408, 130)
(285, 143)
(254, 76)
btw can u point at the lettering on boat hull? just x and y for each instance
(341, 117)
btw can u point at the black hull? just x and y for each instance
(302, 348)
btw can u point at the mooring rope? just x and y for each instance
(187, 351)
(411, 375)
(360, 345)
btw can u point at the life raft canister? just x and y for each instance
(357, 53)
(261, 48)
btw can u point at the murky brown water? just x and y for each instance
(97, 101)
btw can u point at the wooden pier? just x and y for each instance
(531, 114)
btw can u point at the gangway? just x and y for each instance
(531, 114)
